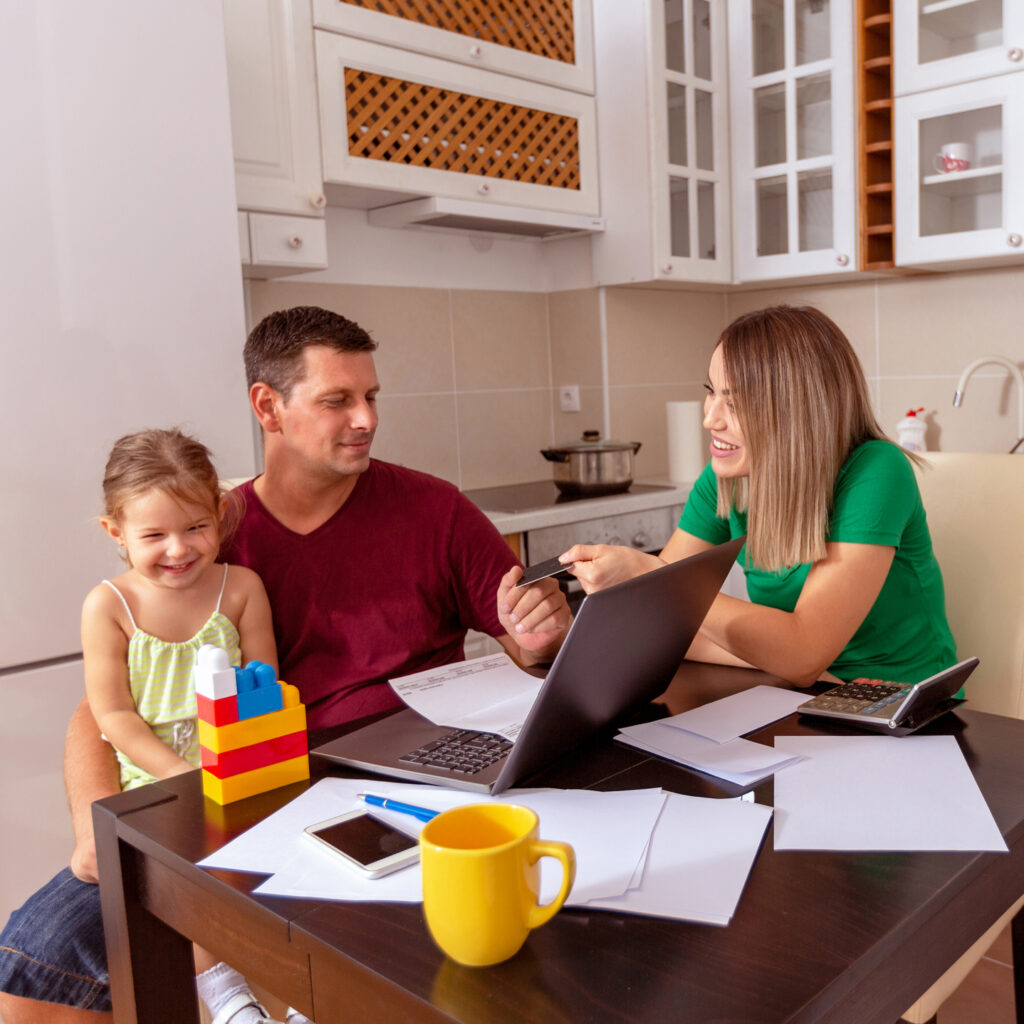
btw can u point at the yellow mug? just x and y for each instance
(481, 879)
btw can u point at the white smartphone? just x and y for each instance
(366, 843)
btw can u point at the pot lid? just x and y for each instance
(591, 442)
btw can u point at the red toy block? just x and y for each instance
(256, 755)
(223, 711)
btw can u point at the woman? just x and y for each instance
(838, 559)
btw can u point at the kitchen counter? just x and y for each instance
(583, 509)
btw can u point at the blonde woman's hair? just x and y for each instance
(166, 460)
(802, 403)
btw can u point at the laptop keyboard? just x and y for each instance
(461, 751)
(860, 697)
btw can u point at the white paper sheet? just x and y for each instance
(608, 831)
(739, 761)
(880, 793)
(740, 713)
(490, 694)
(700, 857)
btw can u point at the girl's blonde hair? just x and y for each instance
(802, 404)
(166, 460)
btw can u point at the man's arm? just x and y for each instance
(90, 773)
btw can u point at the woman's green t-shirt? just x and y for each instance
(905, 636)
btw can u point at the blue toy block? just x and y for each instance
(259, 692)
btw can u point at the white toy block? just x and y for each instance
(213, 676)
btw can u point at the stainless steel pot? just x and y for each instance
(592, 467)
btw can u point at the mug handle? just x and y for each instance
(938, 163)
(563, 852)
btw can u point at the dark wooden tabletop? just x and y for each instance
(839, 937)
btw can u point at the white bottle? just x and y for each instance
(910, 432)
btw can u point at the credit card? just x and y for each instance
(549, 567)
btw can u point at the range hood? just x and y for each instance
(467, 215)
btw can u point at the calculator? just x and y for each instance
(894, 708)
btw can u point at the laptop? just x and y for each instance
(894, 708)
(621, 651)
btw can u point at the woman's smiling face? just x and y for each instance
(729, 455)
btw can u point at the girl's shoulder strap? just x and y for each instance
(220, 596)
(124, 601)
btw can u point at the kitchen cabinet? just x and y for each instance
(404, 124)
(793, 138)
(549, 42)
(943, 42)
(275, 134)
(664, 162)
(970, 207)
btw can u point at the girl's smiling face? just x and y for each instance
(170, 542)
(729, 455)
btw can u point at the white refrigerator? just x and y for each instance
(122, 308)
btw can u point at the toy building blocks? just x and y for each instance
(252, 728)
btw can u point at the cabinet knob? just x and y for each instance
(295, 242)
(483, 188)
(641, 540)
(318, 200)
(1013, 239)
(842, 259)
(666, 268)
(476, 51)
(1015, 53)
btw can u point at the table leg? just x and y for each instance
(152, 975)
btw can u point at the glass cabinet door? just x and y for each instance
(793, 137)
(690, 190)
(942, 42)
(959, 173)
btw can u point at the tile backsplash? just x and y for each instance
(470, 377)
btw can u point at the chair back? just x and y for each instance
(975, 508)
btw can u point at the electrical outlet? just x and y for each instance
(569, 398)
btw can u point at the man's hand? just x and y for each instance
(83, 859)
(536, 616)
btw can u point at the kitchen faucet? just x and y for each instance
(1014, 369)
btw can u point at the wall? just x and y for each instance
(470, 377)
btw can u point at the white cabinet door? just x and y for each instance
(404, 123)
(970, 205)
(942, 42)
(274, 127)
(662, 106)
(793, 138)
(548, 42)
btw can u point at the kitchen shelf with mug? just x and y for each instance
(960, 174)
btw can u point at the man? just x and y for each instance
(373, 571)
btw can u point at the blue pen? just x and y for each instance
(423, 813)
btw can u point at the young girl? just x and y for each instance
(838, 559)
(142, 630)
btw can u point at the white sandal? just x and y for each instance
(240, 1002)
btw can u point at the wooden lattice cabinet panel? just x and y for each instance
(410, 124)
(547, 41)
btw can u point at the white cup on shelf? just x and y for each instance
(953, 157)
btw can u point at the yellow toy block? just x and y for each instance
(222, 738)
(291, 694)
(259, 780)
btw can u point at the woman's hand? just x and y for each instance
(597, 566)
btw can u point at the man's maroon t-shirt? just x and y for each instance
(387, 586)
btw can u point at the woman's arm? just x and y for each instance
(597, 566)
(800, 645)
(105, 652)
(255, 623)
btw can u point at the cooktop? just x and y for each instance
(541, 494)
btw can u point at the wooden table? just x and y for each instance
(845, 938)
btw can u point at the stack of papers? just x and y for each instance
(708, 738)
(639, 851)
